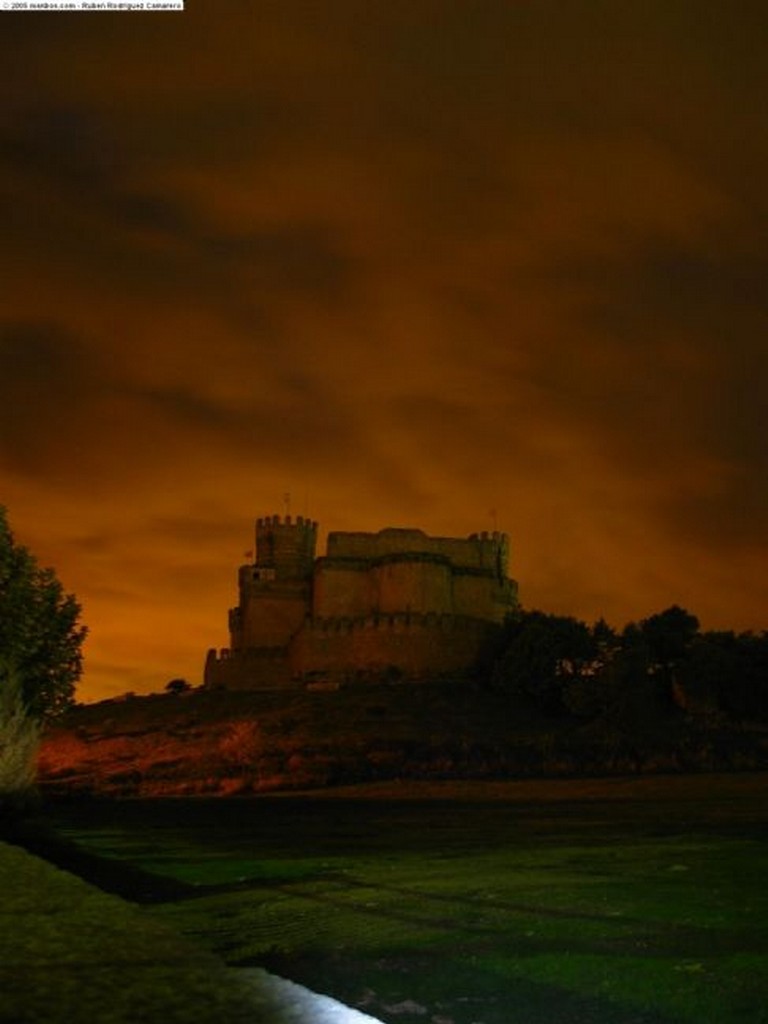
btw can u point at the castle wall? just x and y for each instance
(255, 669)
(482, 597)
(412, 646)
(353, 588)
(472, 595)
(270, 613)
(489, 551)
(341, 589)
(416, 584)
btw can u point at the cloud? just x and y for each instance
(668, 378)
(46, 377)
(410, 267)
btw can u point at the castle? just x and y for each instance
(397, 604)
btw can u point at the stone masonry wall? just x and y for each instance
(488, 551)
(269, 613)
(416, 646)
(351, 588)
(342, 589)
(416, 584)
(481, 597)
(255, 669)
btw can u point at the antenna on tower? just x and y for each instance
(498, 547)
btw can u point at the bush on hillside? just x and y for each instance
(19, 741)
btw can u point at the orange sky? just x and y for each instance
(409, 261)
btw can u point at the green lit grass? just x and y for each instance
(599, 910)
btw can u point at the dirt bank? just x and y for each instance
(235, 743)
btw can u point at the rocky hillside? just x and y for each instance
(230, 743)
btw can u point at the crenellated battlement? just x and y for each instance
(251, 654)
(487, 552)
(262, 668)
(401, 622)
(402, 646)
(286, 546)
(276, 520)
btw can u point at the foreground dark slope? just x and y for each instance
(225, 743)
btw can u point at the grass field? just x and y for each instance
(642, 900)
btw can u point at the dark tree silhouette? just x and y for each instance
(542, 654)
(177, 686)
(669, 635)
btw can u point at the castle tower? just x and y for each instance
(285, 550)
(275, 589)
(396, 600)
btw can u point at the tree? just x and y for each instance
(607, 644)
(177, 686)
(709, 676)
(744, 686)
(590, 692)
(40, 633)
(542, 655)
(668, 636)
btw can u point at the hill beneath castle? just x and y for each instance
(220, 743)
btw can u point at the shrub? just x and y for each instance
(19, 741)
(241, 745)
(177, 686)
